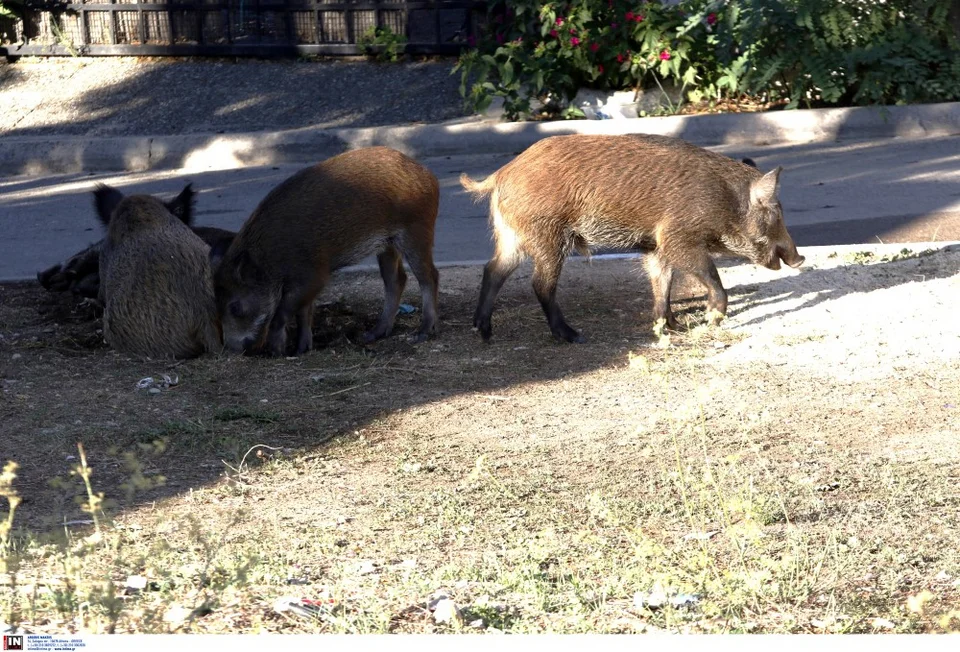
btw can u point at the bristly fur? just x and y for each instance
(367, 201)
(676, 201)
(156, 286)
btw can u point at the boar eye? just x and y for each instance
(236, 310)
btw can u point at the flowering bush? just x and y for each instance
(796, 51)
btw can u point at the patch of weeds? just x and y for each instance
(905, 254)
(860, 258)
(78, 577)
(383, 44)
(867, 257)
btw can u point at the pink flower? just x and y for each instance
(559, 20)
(553, 33)
(600, 68)
(620, 58)
(574, 41)
(712, 19)
(594, 47)
(638, 18)
(629, 16)
(664, 56)
(613, 25)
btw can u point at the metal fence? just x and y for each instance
(234, 27)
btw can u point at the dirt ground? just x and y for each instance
(795, 470)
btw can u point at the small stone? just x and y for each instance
(17, 356)
(651, 600)
(136, 583)
(882, 623)
(154, 390)
(447, 611)
(176, 615)
(477, 624)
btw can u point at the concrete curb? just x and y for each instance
(38, 155)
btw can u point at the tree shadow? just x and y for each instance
(237, 95)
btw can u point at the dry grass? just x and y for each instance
(542, 486)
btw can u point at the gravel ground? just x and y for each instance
(124, 96)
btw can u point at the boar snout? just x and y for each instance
(790, 256)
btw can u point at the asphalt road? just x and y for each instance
(885, 190)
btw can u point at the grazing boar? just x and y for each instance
(155, 281)
(675, 201)
(333, 214)
(80, 273)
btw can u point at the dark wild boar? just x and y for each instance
(80, 273)
(155, 281)
(333, 214)
(675, 201)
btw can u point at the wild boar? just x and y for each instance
(155, 281)
(676, 202)
(333, 214)
(80, 273)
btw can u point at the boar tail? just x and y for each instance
(478, 188)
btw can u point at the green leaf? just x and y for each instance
(506, 73)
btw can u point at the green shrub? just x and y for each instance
(810, 52)
(383, 43)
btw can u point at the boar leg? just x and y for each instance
(495, 274)
(700, 265)
(418, 250)
(305, 327)
(394, 280)
(277, 335)
(546, 274)
(661, 276)
(294, 300)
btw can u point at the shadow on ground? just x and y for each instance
(61, 385)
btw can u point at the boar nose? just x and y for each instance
(790, 256)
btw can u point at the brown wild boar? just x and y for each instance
(675, 201)
(333, 214)
(155, 281)
(80, 273)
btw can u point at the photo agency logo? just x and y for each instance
(12, 642)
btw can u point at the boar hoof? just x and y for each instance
(660, 326)
(485, 330)
(714, 317)
(570, 335)
(369, 337)
(418, 338)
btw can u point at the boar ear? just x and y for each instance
(182, 205)
(764, 190)
(105, 200)
(749, 161)
(217, 250)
